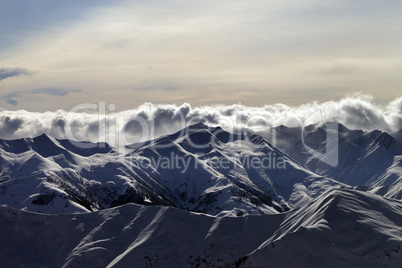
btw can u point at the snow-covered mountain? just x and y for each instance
(342, 228)
(203, 197)
(370, 160)
(205, 170)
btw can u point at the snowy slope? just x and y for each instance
(370, 159)
(227, 161)
(214, 172)
(342, 228)
(203, 197)
(128, 236)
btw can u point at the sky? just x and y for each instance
(58, 54)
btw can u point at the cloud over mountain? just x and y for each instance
(97, 122)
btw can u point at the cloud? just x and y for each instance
(12, 72)
(12, 98)
(149, 121)
(12, 101)
(54, 91)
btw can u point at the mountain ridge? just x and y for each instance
(95, 179)
(165, 236)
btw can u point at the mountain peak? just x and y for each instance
(43, 138)
(198, 126)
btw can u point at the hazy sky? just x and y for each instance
(57, 54)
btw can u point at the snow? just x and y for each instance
(239, 200)
(227, 175)
(371, 159)
(341, 228)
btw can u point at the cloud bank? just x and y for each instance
(97, 122)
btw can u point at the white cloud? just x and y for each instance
(356, 112)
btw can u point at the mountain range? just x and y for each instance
(204, 197)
